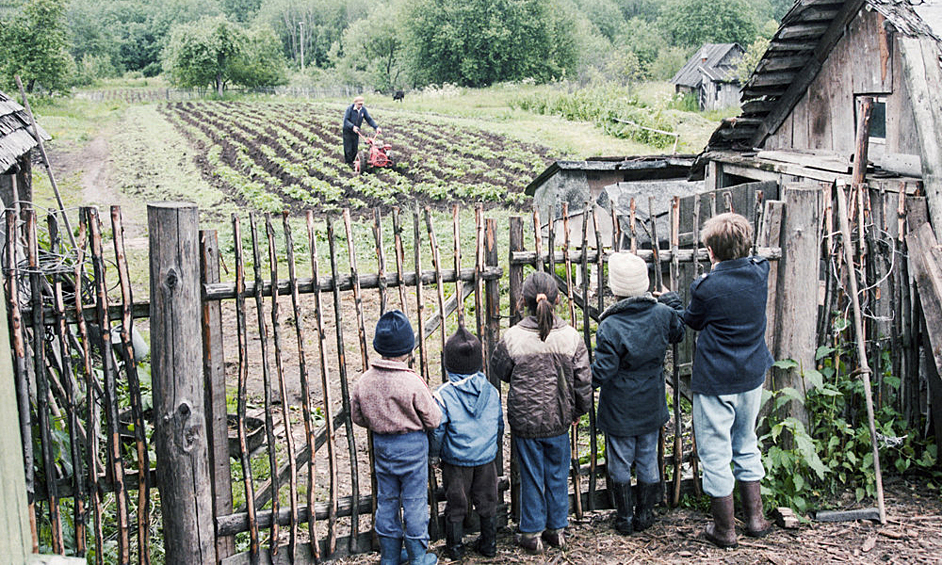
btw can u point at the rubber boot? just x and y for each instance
(486, 545)
(554, 538)
(416, 549)
(624, 508)
(390, 551)
(648, 495)
(454, 531)
(722, 531)
(531, 542)
(756, 524)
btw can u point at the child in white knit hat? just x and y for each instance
(631, 341)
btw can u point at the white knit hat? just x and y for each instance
(627, 275)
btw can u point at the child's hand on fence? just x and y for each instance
(658, 293)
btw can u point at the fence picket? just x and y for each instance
(242, 329)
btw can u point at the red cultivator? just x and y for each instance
(377, 155)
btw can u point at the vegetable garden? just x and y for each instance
(287, 156)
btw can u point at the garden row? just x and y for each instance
(288, 156)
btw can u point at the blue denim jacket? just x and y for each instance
(472, 421)
(727, 307)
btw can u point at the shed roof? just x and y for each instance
(715, 60)
(16, 139)
(796, 53)
(677, 165)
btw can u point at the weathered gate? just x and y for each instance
(258, 414)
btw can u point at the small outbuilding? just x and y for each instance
(711, 75)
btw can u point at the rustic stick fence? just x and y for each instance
(294, 486)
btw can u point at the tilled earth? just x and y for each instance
(911, 535)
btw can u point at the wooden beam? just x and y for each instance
(924, 81)
(925, 260)
(804, 78)
(802, 31)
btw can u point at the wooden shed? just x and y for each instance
(710, 74)
(16, 147)
(798, 116)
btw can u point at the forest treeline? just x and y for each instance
(375, 44)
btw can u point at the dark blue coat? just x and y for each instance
(727, 307)
(353, 118)
(631, 341)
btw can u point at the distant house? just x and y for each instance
(711, 75)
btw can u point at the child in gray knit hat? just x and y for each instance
(631, 341)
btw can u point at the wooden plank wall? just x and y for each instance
(865, 61)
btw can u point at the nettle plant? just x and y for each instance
(806, 467)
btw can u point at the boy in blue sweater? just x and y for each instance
(467, 441)
(727, 307)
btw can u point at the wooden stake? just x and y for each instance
(326, 394)
(283, 394)
(576, 466)
(439, 285)
(380, 258)
(864, 369)
(457, 239)
(269, 390)
(244, 457)
(134, 386)
(400, 259)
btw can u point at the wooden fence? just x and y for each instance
(243, 425)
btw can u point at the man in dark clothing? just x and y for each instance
(352, 120)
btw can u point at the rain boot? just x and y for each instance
(756, 524)
(648, 495)
(487, 543)
(417, 552)
(722, 531)
(554, 538)
(530, 542)
(624, 508)
(454, 531)
(390, 550)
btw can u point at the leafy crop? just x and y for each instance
(288, 156)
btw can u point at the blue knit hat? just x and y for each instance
(394, 336)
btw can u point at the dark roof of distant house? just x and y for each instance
(15, 137)
(798, 50)
(715, 60)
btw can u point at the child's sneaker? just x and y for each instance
(531, 543)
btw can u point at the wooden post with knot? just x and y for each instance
(183, 474)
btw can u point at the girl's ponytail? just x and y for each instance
(539, 295)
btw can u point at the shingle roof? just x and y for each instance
(716, 60)
(15, 137)
(798, 48)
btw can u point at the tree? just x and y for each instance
(201, 53)
(216, 52)
(33, 45)
(480, 42)
(374, 49)
(690, 23)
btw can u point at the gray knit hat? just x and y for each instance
(627, 275)
(463, 353)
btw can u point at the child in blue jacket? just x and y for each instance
(467, 441)
(631, 341)
(727, 307)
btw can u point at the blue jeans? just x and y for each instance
(544, 491)
(402, 480)
(622, 451)
(725, 427)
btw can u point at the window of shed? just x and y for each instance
(877, 118)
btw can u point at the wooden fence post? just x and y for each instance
(515, 272)
(180, 434)
(15, 536)
(796, 296)
(214, 378)
(492, 301)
